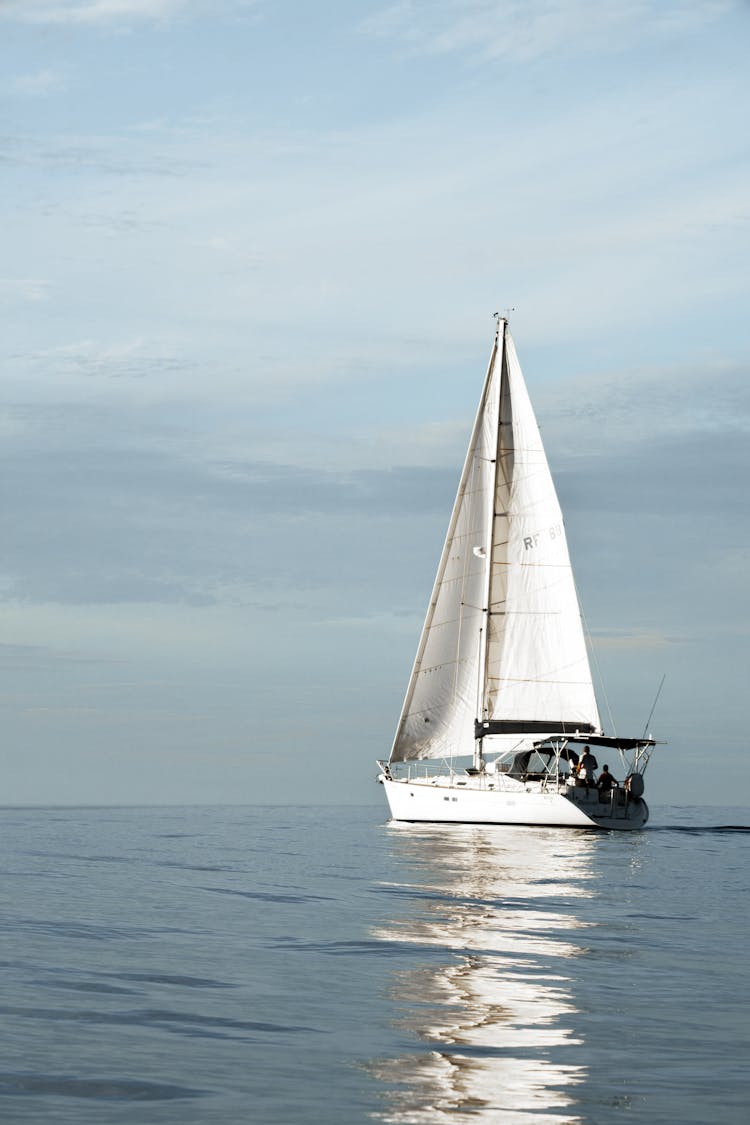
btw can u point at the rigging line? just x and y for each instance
(651, 712)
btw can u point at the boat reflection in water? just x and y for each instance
(495, 1007)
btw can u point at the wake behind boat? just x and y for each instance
(500, 723)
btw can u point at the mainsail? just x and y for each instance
(502, 650)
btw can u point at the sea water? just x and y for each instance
(300, 965)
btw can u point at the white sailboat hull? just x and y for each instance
(436, 802)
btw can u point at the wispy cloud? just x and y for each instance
(105, 12)
(108, 155)
(90, 11)
(134, 359)
(629, 641)
(38, 84)
(525, 30)
(654, 406)
(24, 288)
(135, 522)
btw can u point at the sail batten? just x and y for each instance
(503, 635)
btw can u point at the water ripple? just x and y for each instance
(190, 1023)
(172, 978)
(105, 1089)
(699, 829)
(268, 896)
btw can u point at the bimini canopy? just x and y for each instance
(611, 740)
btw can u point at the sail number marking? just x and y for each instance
(554, 532)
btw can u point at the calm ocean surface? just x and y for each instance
(298, 965)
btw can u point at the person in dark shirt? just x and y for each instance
(606, 781)
(586, 766)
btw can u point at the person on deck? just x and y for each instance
(606, 781)
(586, 766)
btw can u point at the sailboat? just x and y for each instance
(500, 723)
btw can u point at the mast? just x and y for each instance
(484, 632)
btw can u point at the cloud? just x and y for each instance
(104, 12)
(672, 479)
(628, 641)
(110, 156)
(90, 11)
(38, 84)
(24, 288)
(520, 30)
(134, 359)
(39, 657)
(606, 411)
(138, 488)
(109, 511)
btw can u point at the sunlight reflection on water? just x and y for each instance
(502, 904)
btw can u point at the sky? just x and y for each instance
(250, 257)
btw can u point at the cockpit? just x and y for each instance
(542, 761)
